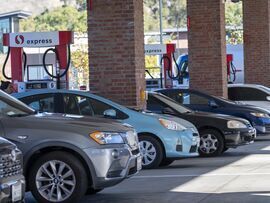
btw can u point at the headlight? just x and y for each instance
(171, 125)
(236, 124)
(260, 115)
(107, 137)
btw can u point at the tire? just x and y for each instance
(211, 144)
(166, 162)
(152, 152)
(73, 170)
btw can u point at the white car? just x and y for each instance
(257, 95)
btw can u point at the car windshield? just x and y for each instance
(265, 88)
(10, 106)
(173, 104)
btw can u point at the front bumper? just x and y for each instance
(262, 125)
(262, 129)
(181, 144)
(239, 137)
(8, 187)
(113, 164)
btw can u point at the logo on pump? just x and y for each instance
(19, 39)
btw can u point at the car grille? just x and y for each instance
(10, 165)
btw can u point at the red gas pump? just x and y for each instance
(167, 52)
(16, 42)
(231, 70)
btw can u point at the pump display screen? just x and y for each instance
(37, 73)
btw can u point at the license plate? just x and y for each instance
(16, 192)
(139, 163)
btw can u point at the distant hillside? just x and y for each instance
(33, 6)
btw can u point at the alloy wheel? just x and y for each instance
(148, 151)
(55, 181)
(208, 143)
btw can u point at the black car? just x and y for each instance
(218, 132)
(199, 101)
(12, 184)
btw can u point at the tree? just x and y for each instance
(63, 18)
(234, 23)
(174, 14)
(79, 60)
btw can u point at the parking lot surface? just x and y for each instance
(239, 175)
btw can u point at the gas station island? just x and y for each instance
(193, 128)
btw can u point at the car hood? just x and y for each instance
(4, 144)
(217, 116)
(252, 108)
(183, 122)
(67, 121)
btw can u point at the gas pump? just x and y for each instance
(167, 76)
(48, 70)
(231, 70)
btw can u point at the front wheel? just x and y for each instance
(58, 177)
(152, 152)
(211, 143)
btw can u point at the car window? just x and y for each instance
(41, 103)
(246, 94)
(71, 105)
(85, 106)
(194, 99)
(99, 108)
(177, 96)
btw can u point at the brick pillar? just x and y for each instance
(207, 46)
(116, 50)
(257, 41)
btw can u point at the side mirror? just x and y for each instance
(212, 104)
(168, 110)
(109, 113)
(268, 98)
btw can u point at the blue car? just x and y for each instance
(163, 139)
(199, 101)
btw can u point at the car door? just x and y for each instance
(249, 95)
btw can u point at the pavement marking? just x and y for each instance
(266, 148)
(201, 175)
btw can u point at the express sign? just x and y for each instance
(155, 49)
(38, 39)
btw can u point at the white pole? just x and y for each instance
(160, 21)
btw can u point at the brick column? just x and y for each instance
(116, 50)
(257, 41)
(207, 46)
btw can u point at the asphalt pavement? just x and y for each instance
(239, 175)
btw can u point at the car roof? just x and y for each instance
(247, 85)
(184, 90)
(63, 91)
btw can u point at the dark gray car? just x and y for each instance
(12, 184)
(66, 155)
